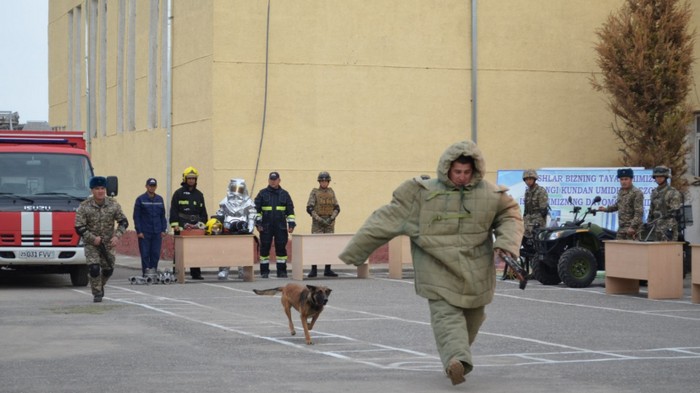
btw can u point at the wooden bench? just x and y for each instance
(695, 274)
(214, 251)
(399, 254)
(660, 263)
(320, 249)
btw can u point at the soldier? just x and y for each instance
(275, 219)
(323, 208)
(94, 222)
(629, 205)
(666, 203)
(536, 203)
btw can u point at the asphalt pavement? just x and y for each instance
(374, 336)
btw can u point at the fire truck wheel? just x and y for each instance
(79, 276)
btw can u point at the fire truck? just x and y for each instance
(44, 175)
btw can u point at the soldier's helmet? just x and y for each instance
(661, 171)
(530, 173)
(237, 187)
(625, 172)
(190, 171)
(324, 176)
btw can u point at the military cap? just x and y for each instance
(625, 172)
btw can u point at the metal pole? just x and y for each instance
(474, 72)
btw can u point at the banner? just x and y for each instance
(582, 185)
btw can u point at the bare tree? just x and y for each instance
(645, 54)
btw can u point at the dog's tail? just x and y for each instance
(269, 292)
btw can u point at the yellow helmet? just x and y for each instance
(213, 227)
(189, 172)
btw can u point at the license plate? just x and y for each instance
(26, 254)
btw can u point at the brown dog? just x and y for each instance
(307, 299)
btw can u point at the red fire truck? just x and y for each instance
(44, 175)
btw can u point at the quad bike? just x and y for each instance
(572, 252)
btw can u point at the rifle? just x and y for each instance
(102, 248)
(519, 272)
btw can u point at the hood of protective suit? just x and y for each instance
(464, 148)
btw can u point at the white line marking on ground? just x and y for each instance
(597, 307)
(425, 362)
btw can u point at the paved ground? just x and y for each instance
(374, 336)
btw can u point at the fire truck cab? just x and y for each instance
(44, 176)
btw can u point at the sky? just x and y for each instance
(24, 70)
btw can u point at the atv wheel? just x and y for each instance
(544, 273)
(79, 276)
(577, 267)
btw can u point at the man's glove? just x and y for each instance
(327, 221)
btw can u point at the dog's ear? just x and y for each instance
(312, 288)
(328, 291)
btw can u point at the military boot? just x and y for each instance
(313, 272)
(264, 270)
(328, 272)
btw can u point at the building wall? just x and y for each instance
(370, 90)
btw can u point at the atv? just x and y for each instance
(572, 252)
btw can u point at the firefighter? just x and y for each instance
(275, 219)
(187, 208)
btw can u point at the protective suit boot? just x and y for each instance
(281, 270)
(264, 270)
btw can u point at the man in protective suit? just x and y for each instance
(236, 214)
(456, 224)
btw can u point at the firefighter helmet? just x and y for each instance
(190, 171)
(661, 171)
(324, 176)
(213, 227)
(530, 173)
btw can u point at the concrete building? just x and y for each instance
(370, 90)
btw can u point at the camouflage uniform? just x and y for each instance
(323, 208)
(93, 220)
(630, 208)
(536, 205)
(666, 202)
